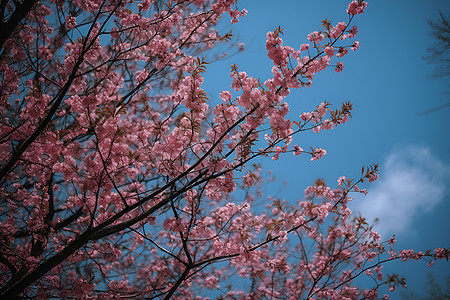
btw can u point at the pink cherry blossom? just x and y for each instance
(304, 47)
(341, 180)
(315, 37)
(342, 52)
(121, 177)
(355, 46)
(356, 7)
(71, 22)
(318, 153)
(297, 150)
(339, 67)
(329, 50)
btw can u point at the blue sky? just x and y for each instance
(389, 84)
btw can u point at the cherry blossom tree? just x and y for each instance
(11, 14)
(120, 178)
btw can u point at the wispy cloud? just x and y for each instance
(412, 182)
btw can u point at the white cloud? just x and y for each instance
(412, 182)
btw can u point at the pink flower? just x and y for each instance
(144, 6)
(356, 7)
(341, 180)
(339, 67)
(297, 150)
(45, 53)
(235, 14)
(352, 32)
(141, 75)
(392, 240)
(338, 30)
(440, 253)
(304, 47)
(211, 282)
(329, 51)
(306, 116)
(71, 22)
(322, 210)
(315, 37)
(318, 153)
(225, 95)
(342, 52)
(355, 46)
(373, 177)
(375, 236)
